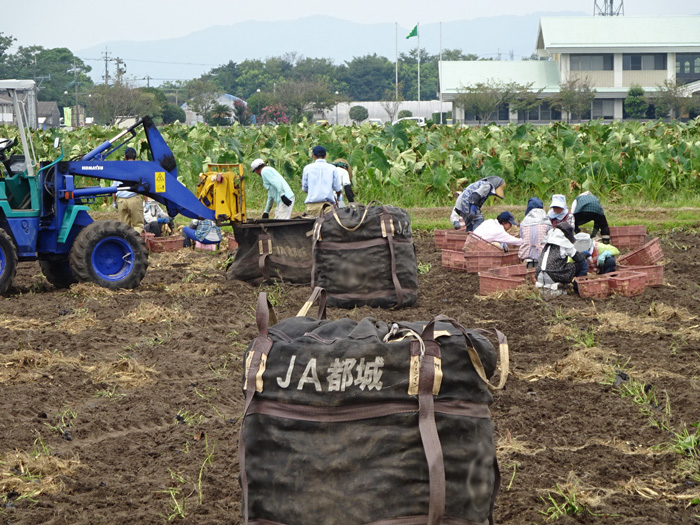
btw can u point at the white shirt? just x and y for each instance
(493, 231)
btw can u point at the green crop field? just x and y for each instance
(624, 163)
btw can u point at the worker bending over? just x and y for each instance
(279, 193)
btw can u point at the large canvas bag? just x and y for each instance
(364, 255)
(357, 423)
(274, 250)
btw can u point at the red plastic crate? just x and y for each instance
(454, 240)
(439, 239)
(654, 273)
(454, 260)
(515, 270)
(164, 244)
(474, 243)
(647, 255)
(593, 287)
(627, 283)
(628, 237)
(478, 262)
(489, 282)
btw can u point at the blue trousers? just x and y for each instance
(191, 235)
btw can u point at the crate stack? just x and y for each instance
(505, 278)
(645, 260)
(465, 251)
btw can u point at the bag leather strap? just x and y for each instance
(261, 347)
(319, 294)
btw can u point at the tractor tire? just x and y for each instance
(109, 253)
(58, 272)
(8, 261)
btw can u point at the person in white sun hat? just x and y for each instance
(279, 193)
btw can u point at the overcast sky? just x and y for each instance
(78, 24)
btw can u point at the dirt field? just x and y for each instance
(123, 407)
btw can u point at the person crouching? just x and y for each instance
(560, 262)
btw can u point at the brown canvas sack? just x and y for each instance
(359, 423)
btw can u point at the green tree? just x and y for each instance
(405, 113)
(6, 42)
(368, 77)
(574, 97)
(484, 98)
(202, 96)
(457, 54)
(358, 113)
(301, 97)
(220, 115)
(114, 104)
(173, 113)
(671, 100)
(636, 104)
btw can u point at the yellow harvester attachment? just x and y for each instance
(221, 189)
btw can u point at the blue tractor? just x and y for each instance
(44, 216)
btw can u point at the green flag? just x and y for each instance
(414, 32)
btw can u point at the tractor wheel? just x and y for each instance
(58, 272)
(109, 253)
(8, 261)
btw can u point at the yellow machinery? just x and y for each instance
(221, 189)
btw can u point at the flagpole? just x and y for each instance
(396, 62)
(440, 73)
(418, 32)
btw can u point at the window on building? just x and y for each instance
(637, 62)
(592, 62)
(534, 114)
(603, 108)
(687, 67)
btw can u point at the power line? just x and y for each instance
(157, 62)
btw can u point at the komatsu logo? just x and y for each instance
(92, 168)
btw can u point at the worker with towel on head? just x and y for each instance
(474, 196)
(559, 213)
(560, 262)
(533, 230)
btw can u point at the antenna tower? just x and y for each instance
(608, 8)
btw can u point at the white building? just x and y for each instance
(612, 52)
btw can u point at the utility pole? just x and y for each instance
(107, 59)
(148, 81)
(120, 72)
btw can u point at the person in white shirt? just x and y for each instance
(345, 174)
(155, 219)
(496, 230)
(320, 182)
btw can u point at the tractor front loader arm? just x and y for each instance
(156, 179)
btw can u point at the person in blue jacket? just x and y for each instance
(279, 193)
(474, 196)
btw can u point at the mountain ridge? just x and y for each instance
(315, 36)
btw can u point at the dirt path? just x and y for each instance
(146, 384)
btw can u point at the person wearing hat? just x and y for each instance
(321, 183)
(496, 230)
(558, 212)
(602, 257)
(279, 193)
(560, 261)
(586, 208)
(475, 195)
(345, 174)
(533, 230)
(129, 203)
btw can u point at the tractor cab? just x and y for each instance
(14, 185)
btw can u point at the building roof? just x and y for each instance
(456, 75)
(581, 34)
(46, 109)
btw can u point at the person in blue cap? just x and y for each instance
(496, 230)
(321, 183)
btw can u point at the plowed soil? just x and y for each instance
(124, 407)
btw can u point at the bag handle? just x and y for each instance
(504, 354)
(362, 220)
(265, 315)
(319, 294)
